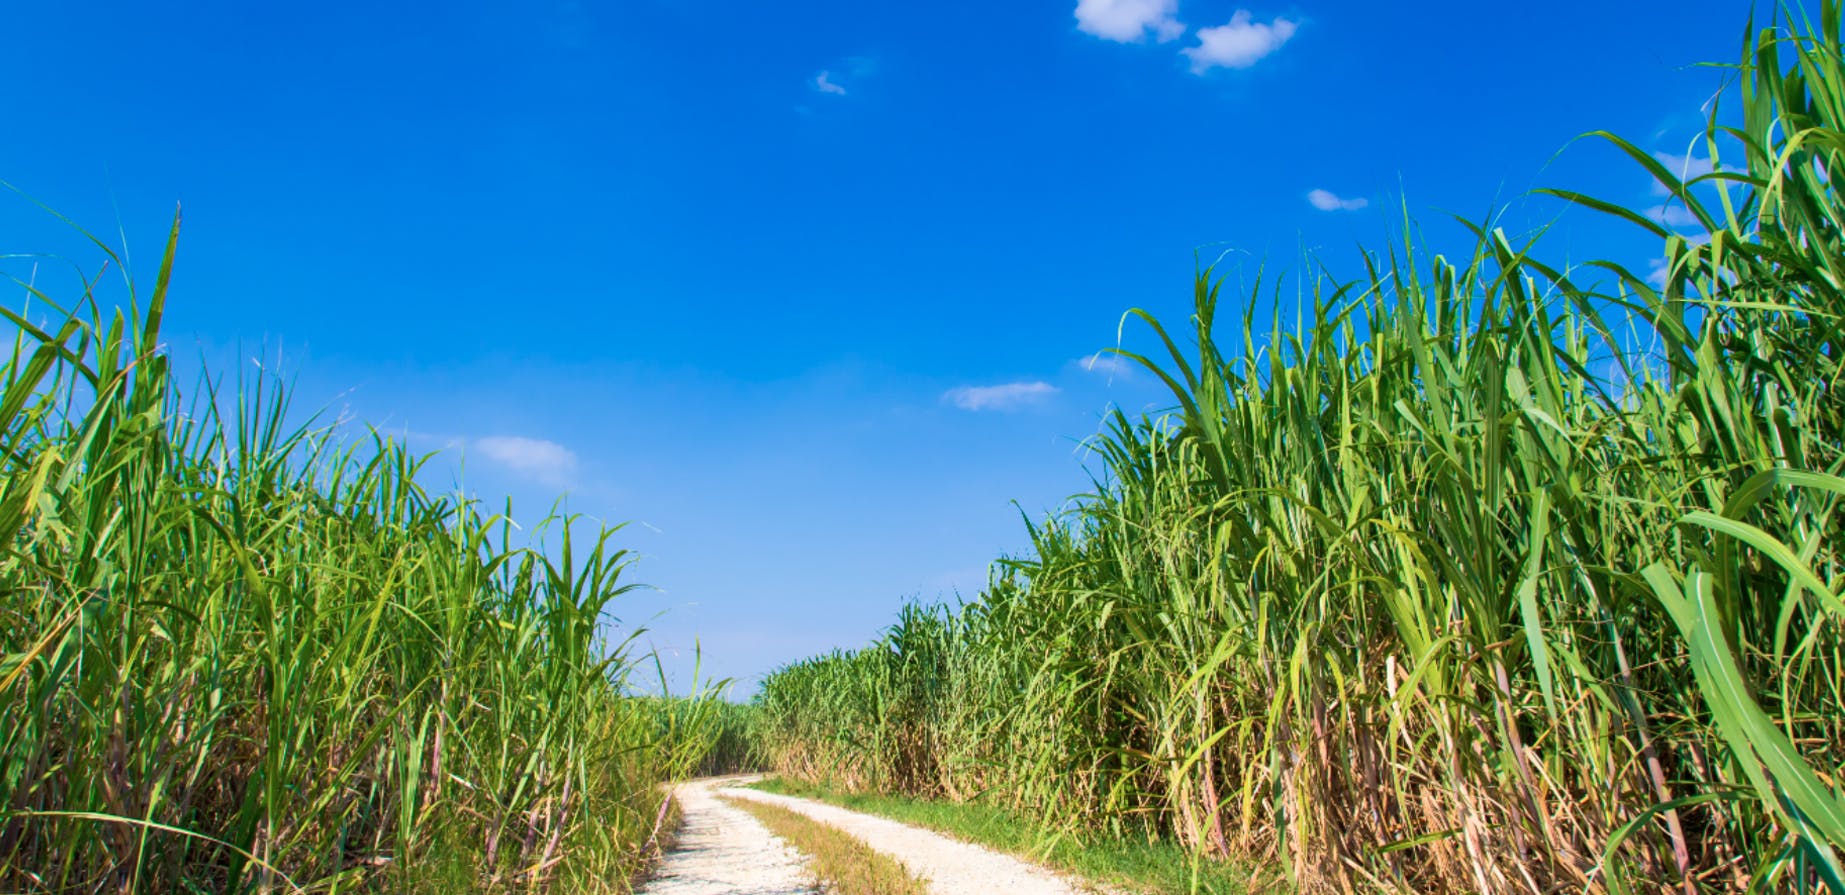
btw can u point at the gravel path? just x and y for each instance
(722, 850)
(951, 866)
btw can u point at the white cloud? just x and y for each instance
(421, 440)
(1656, 272)
(1127, 21)
(823, 82)
(841, 78)
(1687, 167)
(1327, 200)
(1656, 267)
(1106, 365)
(1673, 215)
(537, 458)
(1240, 44)
(1009, 396)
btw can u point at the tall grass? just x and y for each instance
(1490, 576)
(717, 731)
(241, 656)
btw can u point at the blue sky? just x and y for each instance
(801, 290)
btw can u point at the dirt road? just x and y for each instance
(723, 851)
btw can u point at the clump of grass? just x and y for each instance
(723, 730)
(1488, 577)
(238, 655)
(842, 863)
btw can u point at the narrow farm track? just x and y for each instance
(723, 850)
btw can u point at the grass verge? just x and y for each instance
(844, 865)
(1118, 862)
(664, 838)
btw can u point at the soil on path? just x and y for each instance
(751, 861)
(722, 850)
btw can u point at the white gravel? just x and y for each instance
(722, 850)
(951, 866)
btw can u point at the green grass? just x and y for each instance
(841, 863)
(1471, 573)
(239, 654)
(1134, 864)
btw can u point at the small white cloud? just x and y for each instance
(1673, 215)
(823, 82)
(1657, 267)
(1327, 200)
(1240, 44)
(1128, 21)
(537, 458)
(1687, 167)
(1009, 396)
(841, 78)
(1656, 272)
(420, 440)
(1106, 365)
